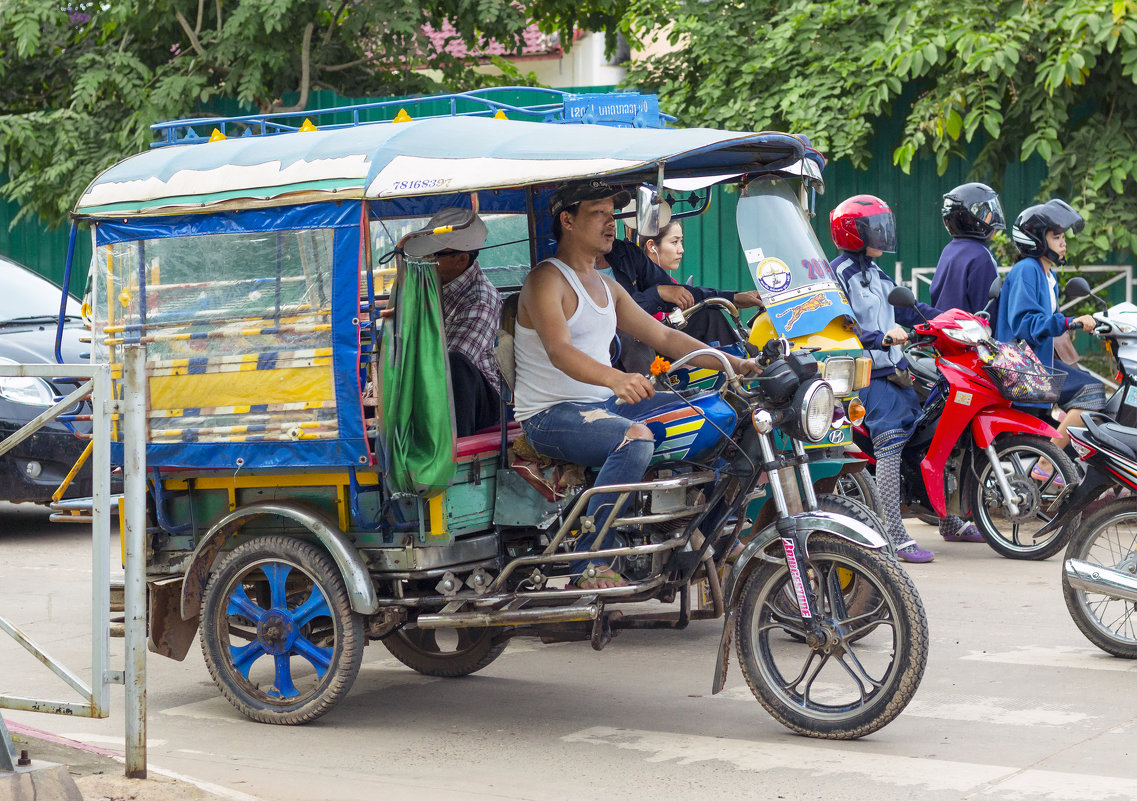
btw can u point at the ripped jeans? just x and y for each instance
(596, 435)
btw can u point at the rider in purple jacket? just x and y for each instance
(972, 214)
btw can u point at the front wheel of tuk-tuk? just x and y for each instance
(278, 633)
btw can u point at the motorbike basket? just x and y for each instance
(1030, 383)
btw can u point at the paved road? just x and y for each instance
(1015, 704)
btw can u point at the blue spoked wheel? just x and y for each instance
(278, 633)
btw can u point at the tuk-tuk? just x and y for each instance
(308, 496)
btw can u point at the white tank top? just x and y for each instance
(539, 384)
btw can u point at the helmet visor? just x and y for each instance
(990, 212)
(878, 231)
(1058, 215)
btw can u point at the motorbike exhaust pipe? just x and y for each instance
(514, 617)
(1104, 580)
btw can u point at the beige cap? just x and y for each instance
(472, 237)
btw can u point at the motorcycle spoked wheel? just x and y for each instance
(861, 487)
(867, 665)
(1014, 537)
(278, 633)
(1107, 538)
(448, 653)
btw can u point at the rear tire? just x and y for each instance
(278, 633)
(448, 653)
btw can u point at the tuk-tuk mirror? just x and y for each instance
(630, 216)
(650, 211)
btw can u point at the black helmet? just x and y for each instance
(1029, 231)
(973, 211)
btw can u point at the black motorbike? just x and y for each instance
(1099, 578)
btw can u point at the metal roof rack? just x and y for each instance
(617, 109)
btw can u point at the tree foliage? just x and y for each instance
(81, 83)
(987, 82)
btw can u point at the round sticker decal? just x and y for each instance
(773, 275)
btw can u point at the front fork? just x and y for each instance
(1009, 497)
(784, 487)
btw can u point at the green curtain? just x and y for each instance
(417, 417)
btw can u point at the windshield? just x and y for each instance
(28, 295)
(781, 250)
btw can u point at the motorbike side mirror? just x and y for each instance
(1077, 287)
(902, 298)
(652, 211)
(997, 288)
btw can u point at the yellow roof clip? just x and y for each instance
(402, 116)
(308, 126)
(217, 136)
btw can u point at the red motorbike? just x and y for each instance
(974, 455)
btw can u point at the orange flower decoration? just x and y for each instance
(660, 366)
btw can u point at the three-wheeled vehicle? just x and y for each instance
(307, 494)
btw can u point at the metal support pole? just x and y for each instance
(101, 537)
(134, 461)
(7, 749)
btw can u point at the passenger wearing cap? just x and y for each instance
(566, 390)
(471, 311)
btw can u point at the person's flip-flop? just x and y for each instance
(1042, 475)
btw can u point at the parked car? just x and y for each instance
(29, 314)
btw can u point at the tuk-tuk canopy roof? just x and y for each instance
(425, 157)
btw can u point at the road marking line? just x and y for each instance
(970, 708)
(209, 787)
(1056, 656)
(932, 774)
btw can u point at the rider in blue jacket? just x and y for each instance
(1028, 309)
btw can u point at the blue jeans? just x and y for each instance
(595, 435)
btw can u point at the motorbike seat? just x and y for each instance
(1114, 436)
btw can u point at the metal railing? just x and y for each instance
(95, 693)
(1124, 274)
(620, 109)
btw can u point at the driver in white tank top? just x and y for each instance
(567, 389)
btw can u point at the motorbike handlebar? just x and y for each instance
(731, 376)
(717, 354)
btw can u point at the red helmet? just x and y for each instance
(863, 221)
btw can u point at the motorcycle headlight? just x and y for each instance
(969, 332)
(816, 410)
(839, 372)
(28, 391)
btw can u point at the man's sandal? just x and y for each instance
(586, 582)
